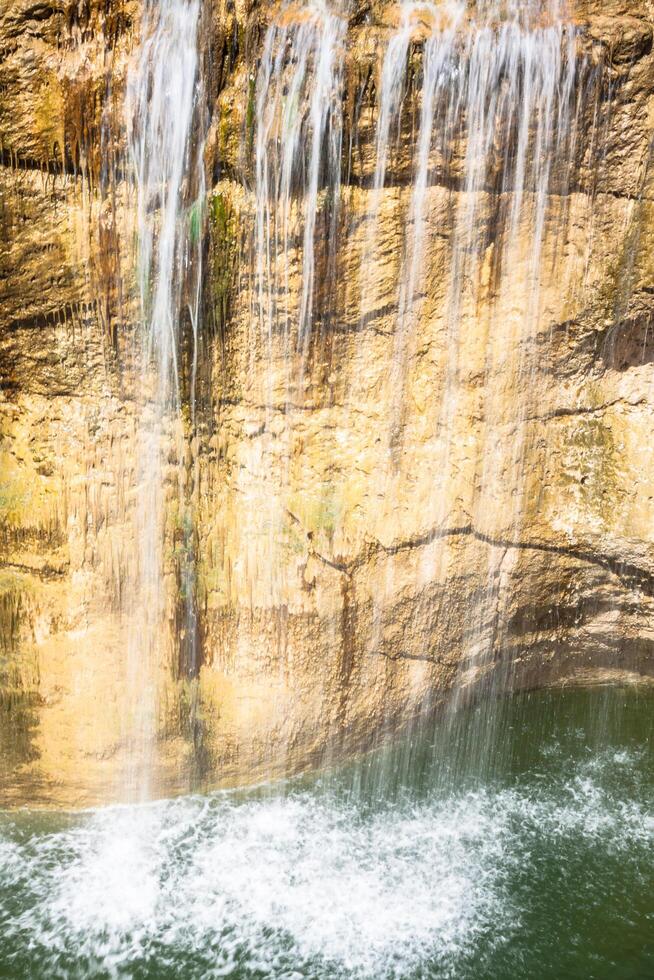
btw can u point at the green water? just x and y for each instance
(512, 843)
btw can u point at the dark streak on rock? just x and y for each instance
(630, 575)
(46, 572)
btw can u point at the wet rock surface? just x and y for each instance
(364, 541)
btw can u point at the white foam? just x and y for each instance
(301, 882)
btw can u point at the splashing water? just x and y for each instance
(489, 879)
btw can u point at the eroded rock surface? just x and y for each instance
(364, 542)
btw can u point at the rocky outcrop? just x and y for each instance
(363, 541)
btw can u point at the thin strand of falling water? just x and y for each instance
(548, 73)
(291, 129)
(438, 103)
(544, 95)
(325, 126)
(390, 96)
(438, 122)
(159, 108)
(299, 136)
(439, 77)
(325, 107)
(600, 86)
(288, 45)
(267, 111)
(490, 55)
(297, 104)
(193, 259)
(511, 58)
(488, 58)
(297, 110)
(570, 100)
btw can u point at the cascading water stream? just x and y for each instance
(494, 97)
(296, 107)
(498, 126)
(439, 87)
(497, 97)
(298, 141)
(161, 110)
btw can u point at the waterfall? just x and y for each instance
(330, 565)
(497, 107)
(166, 157)
(441, 76)
(470, 138)
(498, 127)
(487, 98)
(297, 114)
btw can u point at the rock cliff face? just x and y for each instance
(381, 511)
